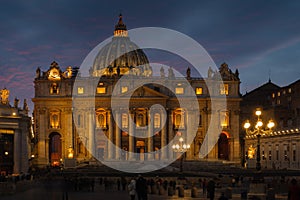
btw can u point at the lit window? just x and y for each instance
(179, 90)
(278, 94)
(101, 120)
(54, 119)
(283, 92)
(273, 95)
(156, 120)
(124, 89)
(124, 120)
(224, 89)
(179, 120)
(101, 90)
(80, 90)
(140, 121)
(290, 90)
(54, 88)
(224, 119)
(199, 90)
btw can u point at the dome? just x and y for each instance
(107, 63)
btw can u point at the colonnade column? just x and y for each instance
(163, 135)
(150, 135)
(118, 135)
(131, 135)
(110, 150)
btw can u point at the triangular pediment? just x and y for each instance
(144, 92)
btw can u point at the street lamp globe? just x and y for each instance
(271, 124)
(258, 112)
(259, 124)
(247, 124)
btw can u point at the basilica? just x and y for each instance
(90, 129)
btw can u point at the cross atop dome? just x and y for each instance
(120, 28)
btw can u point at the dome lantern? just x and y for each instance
(120, 28)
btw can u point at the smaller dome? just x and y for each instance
(107, 63)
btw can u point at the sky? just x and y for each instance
(259, 38)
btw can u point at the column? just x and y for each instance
(131, 135)
(150, 134)
(109, 147)
(91, 134)
(170, 134)
(164, 153)
(118, 135)
(190, 119)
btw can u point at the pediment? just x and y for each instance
(144, 92)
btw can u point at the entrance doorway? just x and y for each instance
(55, 154)
(223, 147)
(140, 150)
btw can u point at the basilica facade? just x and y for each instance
(74, 118)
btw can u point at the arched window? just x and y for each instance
(54, 88)
(156, 120)
(101, 120)
(224, 119)
(179, 122)
(54, 119)
(124, 120)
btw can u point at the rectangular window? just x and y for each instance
(124, 120)
(224, 88)
(80, 90)
(124, 89)
(101, 90)
(199, 90)
(179, 90)
(156, 120)
(278, 94)
(290, 90)
(273, 95)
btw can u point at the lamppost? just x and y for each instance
(181, 148)
(258, 130)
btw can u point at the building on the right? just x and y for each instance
(279, 149)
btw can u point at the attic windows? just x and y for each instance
(80, 90)
(179, 90)
(199, 90)
(224, 89)
(124, 89)
(54, 88)
(101, 89)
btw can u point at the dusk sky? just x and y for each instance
(259, 38)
